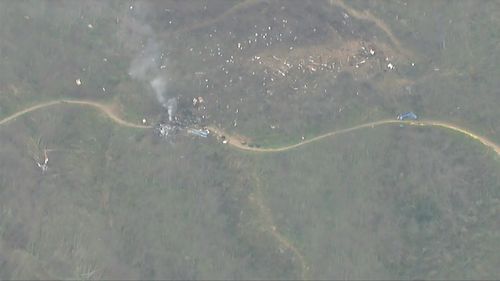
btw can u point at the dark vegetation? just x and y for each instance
(391, 203)
(116, 203)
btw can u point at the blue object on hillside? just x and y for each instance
(407, 116)
(200, 133)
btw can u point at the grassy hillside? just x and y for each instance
(119, 203)
(388, 203)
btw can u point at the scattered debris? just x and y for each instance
(187, 118)
(198, 101)
(199, 132)
(78, 82)
(43, 166)
(164, 130)
(390, 66)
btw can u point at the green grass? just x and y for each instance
(117, 203)
(365, 204)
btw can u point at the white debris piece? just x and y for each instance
(78, 82)
(90, 26)
(390, 66)
(144, 120)
(43, 166)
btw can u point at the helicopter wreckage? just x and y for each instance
(182, 116)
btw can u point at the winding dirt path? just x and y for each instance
(106, 109)
(212, 21)
(430, 123)
(236, 142)
(366, 15)
(271, 228)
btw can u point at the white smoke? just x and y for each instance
(159, 85)
(145, 64)
(171, 108)
(149, 64)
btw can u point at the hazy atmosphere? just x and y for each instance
(253, 139)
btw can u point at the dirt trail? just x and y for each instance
(236, 142)
(366, 15)
(237, 7)
(485, 141)
(106, 109)
(257, 200)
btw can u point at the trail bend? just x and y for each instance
(106, 109)
(428, 123)
(236, 143)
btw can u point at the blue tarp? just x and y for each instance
(201, 133)
(407, 116)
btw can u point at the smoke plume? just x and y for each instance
(171, 108)
(159, 85)
(149, 65)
